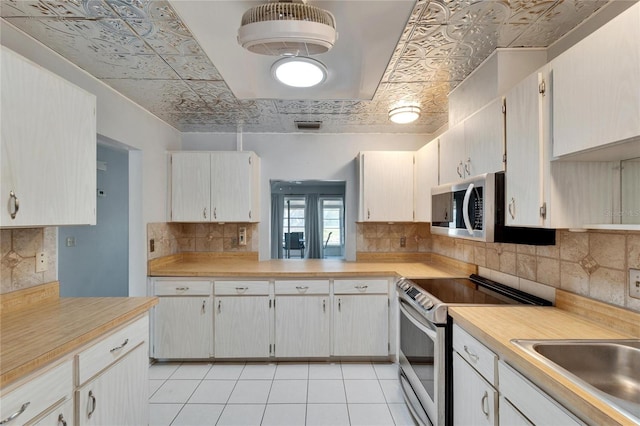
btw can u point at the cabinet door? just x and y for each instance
(452, 152)
(62, 415)
(426, 178)
(474, 400)
(302, 326)
(242, 326)
(597, 88)
(510, 416)
(183, 327)
(484, 140)
(387, 186)
(190, 187)
(118, 396)
(48, 140)
(231, 186)
(361, 325)
(523, 178)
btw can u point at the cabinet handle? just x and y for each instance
(302, 288)
(512, 208)
(204, 302)
(241, 289)
(204, 213)
(215, 213)
(117, 348)
(362, 287)
(368, 214)
(92, 405)
(324, 305)
(16, 206)
(484, 402)
(458, 169)
(16, 414)
(467, 167)
(339, 305)
(219, 306)
(471, 354)
(61, 420)
(182, 288)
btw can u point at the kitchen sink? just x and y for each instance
(608, 369)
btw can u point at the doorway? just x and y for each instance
(307, 219)
(93, 261)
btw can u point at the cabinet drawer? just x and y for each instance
(302, 287)
(532, 402)
(367, 286)
(61, 414)
(235, 288)
(475, 353)
(42, 392)
(182, 288)
(111, 348)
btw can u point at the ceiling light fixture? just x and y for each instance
(289, 27)
(404, 114)
(298, 71)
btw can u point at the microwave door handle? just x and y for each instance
(465, 209)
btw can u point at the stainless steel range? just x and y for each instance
(425, 337)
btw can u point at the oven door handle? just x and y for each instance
(406, 388)
(406, 309)
(465, 208)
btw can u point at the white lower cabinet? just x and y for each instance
(117, 396)
(361, 325)
(302, 326)
(532, 403)
(242, 326)
(61, 415)
(474, 399)
(509, 415)
(183, 320)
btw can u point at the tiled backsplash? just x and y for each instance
(594, 263)
(18, 249)
(173, 238)
(388, 237)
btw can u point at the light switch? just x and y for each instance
(242, 236)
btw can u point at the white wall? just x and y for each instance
(121, 120)
(299, 156)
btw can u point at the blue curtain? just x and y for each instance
(312, 228)
(277, 218)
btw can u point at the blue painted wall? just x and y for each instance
(98, 265)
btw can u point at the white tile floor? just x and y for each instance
(330, 394)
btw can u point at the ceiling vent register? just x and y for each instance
(287, 29)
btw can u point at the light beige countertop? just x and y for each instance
(45, 328)
(495, 326)
(194, 265)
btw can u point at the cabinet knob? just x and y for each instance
(16, 205)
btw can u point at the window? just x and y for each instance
(332, 220)
(293, 214)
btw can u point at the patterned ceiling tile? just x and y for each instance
(143, 49)
(193, 67)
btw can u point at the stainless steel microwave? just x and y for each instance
(465, 209)
(475, 209)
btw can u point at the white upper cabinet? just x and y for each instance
(426, 175)
(526, 124)
(48, 141)
(597, 87)
(215, 186)
(386, 186)
(474, 146)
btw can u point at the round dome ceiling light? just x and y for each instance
(404, 114)
(298, 71)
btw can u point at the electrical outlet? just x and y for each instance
(242, 236)
(403, 241)
(71, 241)
(634, 283)
(42, 262)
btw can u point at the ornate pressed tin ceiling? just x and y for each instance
(144, 50)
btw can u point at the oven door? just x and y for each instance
(422, 373)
